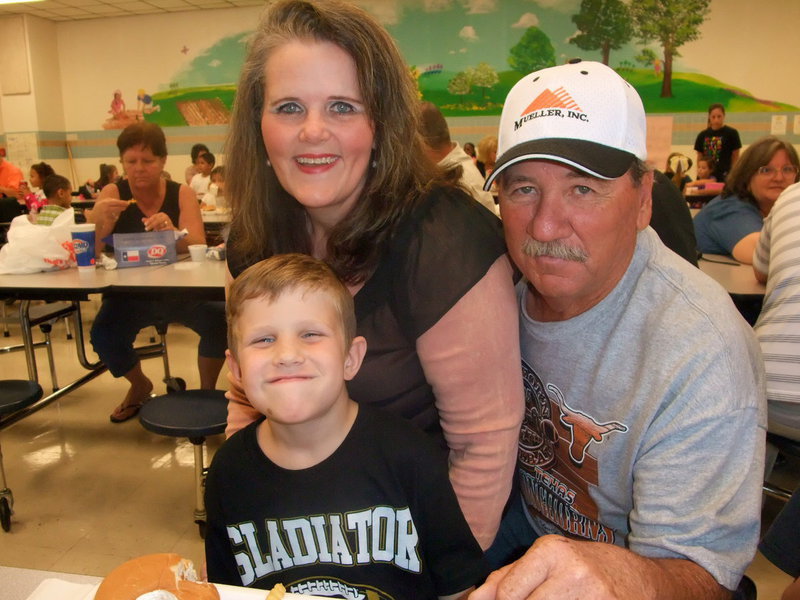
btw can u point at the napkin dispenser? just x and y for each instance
(144, 249)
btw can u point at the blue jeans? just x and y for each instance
(121, 317)
(514, 537)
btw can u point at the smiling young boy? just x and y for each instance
(324, 495)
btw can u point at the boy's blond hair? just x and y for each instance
(272, 277)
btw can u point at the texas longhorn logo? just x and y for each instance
(584, 429)
(550, 103)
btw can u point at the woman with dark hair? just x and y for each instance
(731, 223)
(108, 174)
(718, 142)
(158, 205)
(324, 158)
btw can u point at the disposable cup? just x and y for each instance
(198, 252)
(83, 244)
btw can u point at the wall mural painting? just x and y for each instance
(467, 54)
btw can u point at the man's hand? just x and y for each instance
(556, 567)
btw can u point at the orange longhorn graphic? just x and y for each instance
(584, 429)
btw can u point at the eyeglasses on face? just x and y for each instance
(786, 171)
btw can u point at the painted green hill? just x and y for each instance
(692, 92)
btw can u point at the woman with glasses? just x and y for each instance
(731, 222)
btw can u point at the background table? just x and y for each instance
(737, 278)
(740, 282)
(198, 280)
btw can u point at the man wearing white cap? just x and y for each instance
(643, 440)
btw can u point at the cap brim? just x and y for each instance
(593, 159)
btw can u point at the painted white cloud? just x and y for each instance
(571, 37)
(437, 5)
(480, 7)
(215, 63)
(564, 6)
(468, 33)
(525, 21)
(462, 51)
(386, 11)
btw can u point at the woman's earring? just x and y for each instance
(269, 164)
(374, 162)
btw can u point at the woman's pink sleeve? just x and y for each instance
(240, 412)
(471, 357)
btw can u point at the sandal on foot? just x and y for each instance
(125, 412)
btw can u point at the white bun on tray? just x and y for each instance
(155, 577)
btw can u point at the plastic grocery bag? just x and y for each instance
(33, 248)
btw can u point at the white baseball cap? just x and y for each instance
(582, 114)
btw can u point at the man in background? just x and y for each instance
(10, 176)
(448, 154)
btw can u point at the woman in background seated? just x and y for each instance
(108, 174)
(486, 155)
(145, 201)
(731, 223)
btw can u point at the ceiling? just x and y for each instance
(76, 10)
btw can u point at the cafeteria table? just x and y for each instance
(19, 584)
(198, 280)
(738, 280)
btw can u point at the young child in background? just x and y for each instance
(31, 193)
(202, 179)
(58, 191)
(325, 495)
(705, 172)
(215, 195)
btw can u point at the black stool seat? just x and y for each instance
(16, 394)
(190, 413)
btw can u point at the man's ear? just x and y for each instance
(355, 356)
(645, 192)
(233, 367)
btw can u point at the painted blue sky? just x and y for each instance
(456, 33)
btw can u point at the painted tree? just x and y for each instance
(604, 25)
(484, 76)
(533, 52)
(646, 57)
(671, 23)
(460, 84)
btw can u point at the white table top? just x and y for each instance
(206, 278)
(19, 584)
(216, 216)
(735, 277)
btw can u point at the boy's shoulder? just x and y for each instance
(238, 444)
(383, 429)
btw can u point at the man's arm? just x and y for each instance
(558, 567)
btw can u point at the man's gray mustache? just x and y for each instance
(554, 249)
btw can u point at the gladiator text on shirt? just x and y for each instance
(381, 534)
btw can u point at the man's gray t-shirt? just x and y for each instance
(645, 418)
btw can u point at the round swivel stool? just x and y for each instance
(193, 414)
(15, 394)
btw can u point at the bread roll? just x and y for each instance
(155, 577)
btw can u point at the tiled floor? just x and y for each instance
(89, 494)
